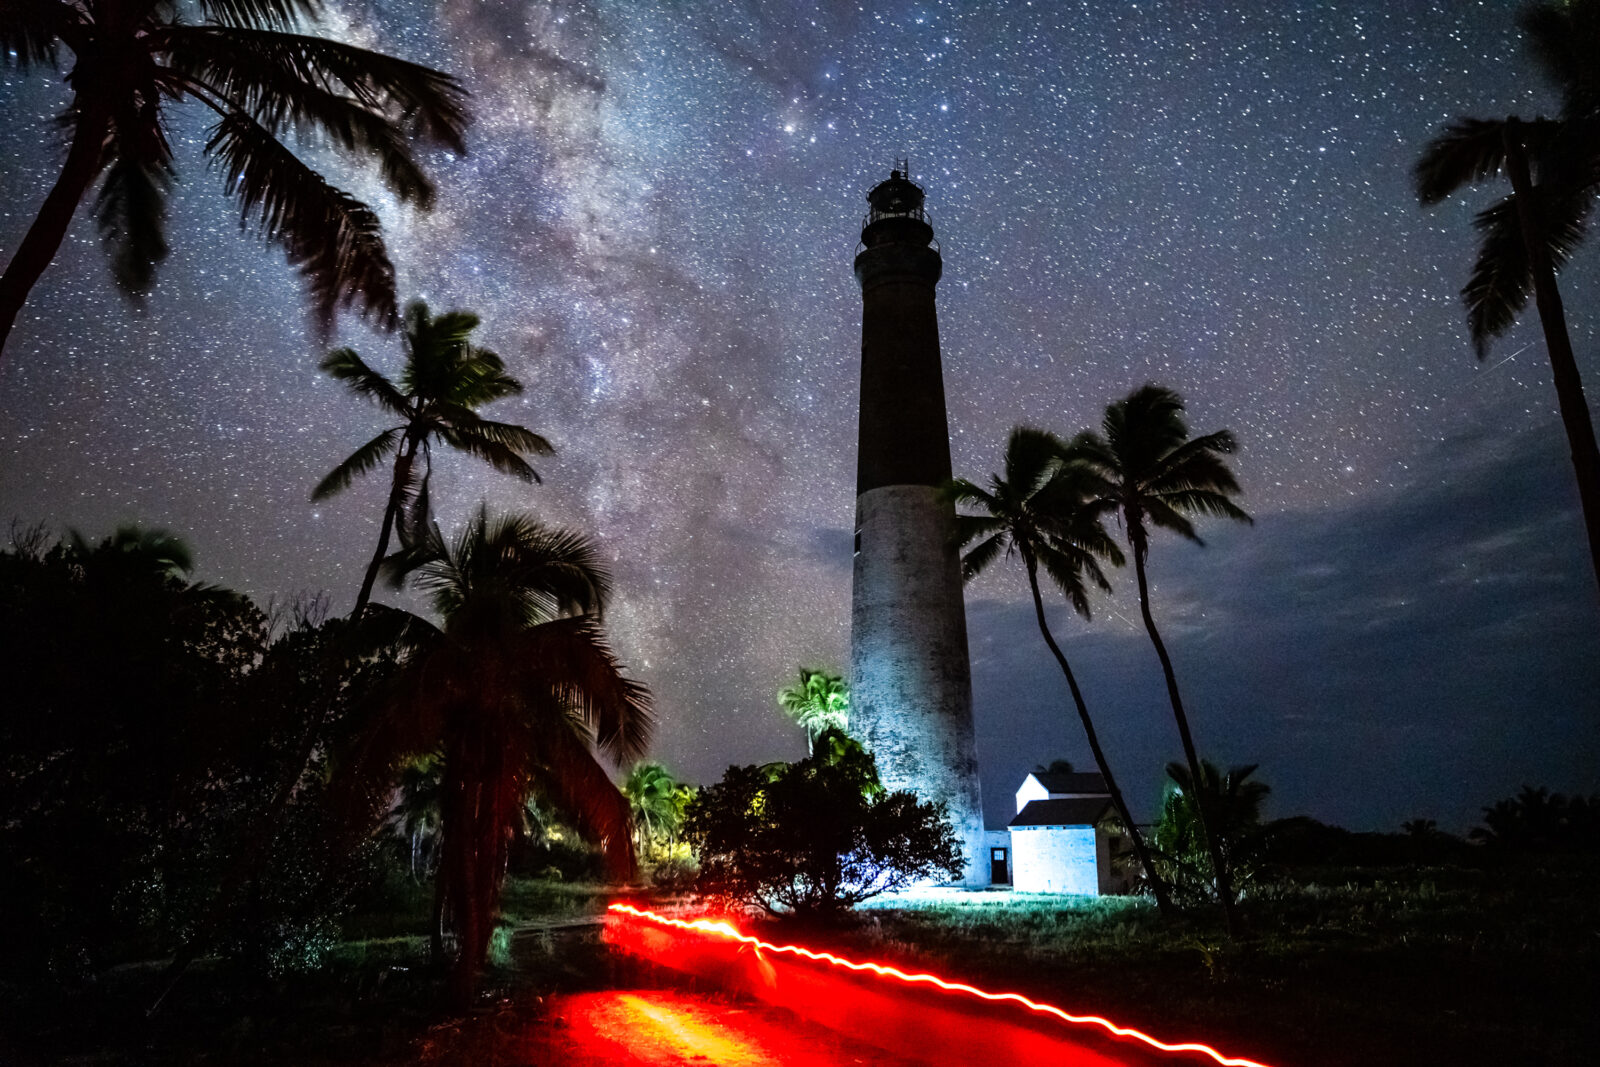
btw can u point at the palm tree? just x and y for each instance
(1234, 801)
(656, 800)
(1036, 510)
(1553, 167)
(1146, 468)
(444, 380)
(515, 692)
(820, 701)
(239, 58)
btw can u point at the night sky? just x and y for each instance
(656, 221)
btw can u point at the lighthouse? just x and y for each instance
(910, 679)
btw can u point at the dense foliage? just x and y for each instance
(160, 762)
(818, 836)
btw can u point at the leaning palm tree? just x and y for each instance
(1036, 511)
(1553, 168)
(444, 380)
(1150, 472)
(515, 692)
(819, 702)
(269, 88)
(656, 801)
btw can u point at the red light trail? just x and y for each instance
(722, 928)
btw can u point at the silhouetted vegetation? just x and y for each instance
(1526, 237)
(251, 65)
(444, 380)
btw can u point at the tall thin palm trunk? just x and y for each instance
(44, 237)
(402, 474)
(1157, 886)
(1552, 316)
(1218, 862)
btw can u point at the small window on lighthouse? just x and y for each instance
(858, 542)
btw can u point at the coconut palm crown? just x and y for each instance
(820, 701)
(273, 92)
(1037, 510)
(444, 380)
(1527, 236)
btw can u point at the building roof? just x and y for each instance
(1072, 782)
(1078, 811)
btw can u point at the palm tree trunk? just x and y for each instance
(402, 473)
(1564, 367)
(43, 238)
(1219, 865)
(1157, 886)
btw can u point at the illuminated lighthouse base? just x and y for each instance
(910, 683)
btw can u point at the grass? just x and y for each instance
(1380, 967)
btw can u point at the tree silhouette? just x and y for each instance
(1038, 511)
(444, 380)
(241, 60)
(512, 692)
(1147, 469)
(819, 701)
(1553, 167)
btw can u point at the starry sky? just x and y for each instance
(656, 220)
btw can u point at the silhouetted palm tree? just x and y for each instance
(512, 692)
(820, 701)
(240, 60)
(444, 380)
(1036, 510)
(1553, 167)
(1147, 469)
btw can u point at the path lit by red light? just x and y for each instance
(722, 928)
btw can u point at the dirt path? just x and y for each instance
(659, 1028)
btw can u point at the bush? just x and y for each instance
(818, 836)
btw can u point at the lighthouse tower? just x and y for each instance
(910, 680)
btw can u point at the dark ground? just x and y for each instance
(1408, 966)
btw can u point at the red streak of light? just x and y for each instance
(722, 928)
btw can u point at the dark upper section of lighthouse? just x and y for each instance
(904, 439)
(895, 213)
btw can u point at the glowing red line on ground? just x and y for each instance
(722, 928)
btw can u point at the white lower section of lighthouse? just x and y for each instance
(910, 682)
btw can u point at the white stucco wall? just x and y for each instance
(1054, 859)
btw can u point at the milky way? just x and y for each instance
(656, 220)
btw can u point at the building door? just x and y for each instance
(998, 872)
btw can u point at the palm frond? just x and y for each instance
(260, 14)
(1501, 278)
(281, 94)
(334, 239)
(131, 211)
(344, 365)
(570, 657)
(1064, 565)
(1204, 502)
(1563, 40)
(358, 463)
(980, 556)
(1031, 458)
(423, 102)
(31, 29)
(1164, 515)
(1468, 151)
(959, 491)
